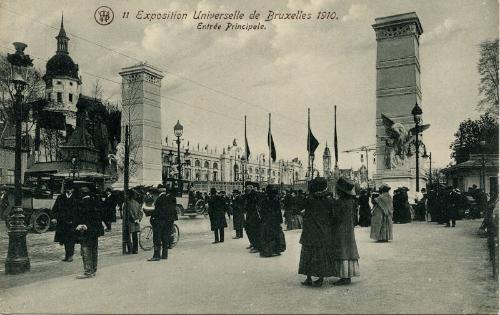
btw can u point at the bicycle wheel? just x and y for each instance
(175, 235)
(146, 238)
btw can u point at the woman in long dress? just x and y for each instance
(316, 256)
(345, 251)
(381, 228)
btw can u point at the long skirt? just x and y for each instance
(272, 240)
(316, 261)
(346, 268)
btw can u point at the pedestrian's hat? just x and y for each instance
(271, 189)
(345, 185)
(254, 184)
(161, 187)
(213, 191)
(69, 184)
(384, 187)
(318, 184)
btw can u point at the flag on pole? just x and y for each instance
(335, 144)
(247, 148)
(312, 143)
(270, 142)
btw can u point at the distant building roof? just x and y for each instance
(475, 162)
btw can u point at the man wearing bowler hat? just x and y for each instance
(216, 210)
(65, 209)
(162, 220)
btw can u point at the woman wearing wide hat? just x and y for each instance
(345, 251)
(272, 239)
(316, 257)
(381, 228)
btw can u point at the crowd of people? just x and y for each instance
(327, 219)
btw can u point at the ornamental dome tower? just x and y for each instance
(62, 83)
(327, 162)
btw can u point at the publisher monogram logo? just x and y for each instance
(104, 15)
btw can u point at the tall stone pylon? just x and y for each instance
(398, 89)
(141, 110)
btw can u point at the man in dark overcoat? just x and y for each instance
(88, 229)
(238, 215)
(451, 210)
(162, 222)
(217, 208)
(109, 209)
(64, 210)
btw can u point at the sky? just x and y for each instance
(214, 78)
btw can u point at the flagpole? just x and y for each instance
(269, 147)
(246, 155)
(308, 143)
(335, 139)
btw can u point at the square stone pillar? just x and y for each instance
(398, 89)
(141, 110)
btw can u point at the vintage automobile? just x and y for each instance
(39, 195)
(37, 208)
(186, 205)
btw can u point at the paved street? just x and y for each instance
(426, 269)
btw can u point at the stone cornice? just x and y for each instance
(410, 60)
(399, 91)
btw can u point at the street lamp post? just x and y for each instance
(417, 144)
(178, 130)
(17, 260)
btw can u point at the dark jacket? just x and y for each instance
(217, 208)
(165, 208)
(64, 211)
(238, 212)
(251, 208)
(109, 208)
(317, 223)
(344, 241)
(271, 210)
(88, 214)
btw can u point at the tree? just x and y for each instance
(35, 89)
(469, 135)
(488, 71)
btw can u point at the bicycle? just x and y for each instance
(146, 237)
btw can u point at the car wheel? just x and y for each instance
(40, 221)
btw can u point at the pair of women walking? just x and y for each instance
(328, 242)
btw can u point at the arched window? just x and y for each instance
(197, 163)
(274, 173)
(188, 162)
(215, 166)
(250, 170)
(198, 176)
(206, 165)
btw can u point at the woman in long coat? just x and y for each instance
(381, 229)
(402, 209)
(272, 239)
(364, 208)
(345, 250)
(134, 210)
(316, 256)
